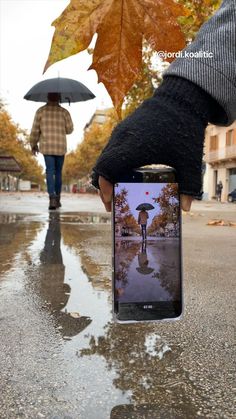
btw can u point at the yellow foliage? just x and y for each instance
(199, 11)
(81, 161)
(14, 142)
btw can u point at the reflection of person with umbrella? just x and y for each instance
(53, 290)
(143, 217)
(51, 125)
(143, 261)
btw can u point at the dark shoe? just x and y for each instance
(52, 203)
(58, 199)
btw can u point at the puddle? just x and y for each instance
(48, 260)
(56, 301)
(68, 217)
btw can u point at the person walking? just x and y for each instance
(169, 128)
(51, 124)
(219, 188)
(142, 220)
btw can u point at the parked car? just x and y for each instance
(74, 188)
(232, 196)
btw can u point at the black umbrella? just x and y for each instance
(145, 207)
(69, 89)
(145, 270)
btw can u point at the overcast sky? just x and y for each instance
(25, 39)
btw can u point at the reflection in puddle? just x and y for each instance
(65, 268)
(62, 284)
(150, 411)
(51, 278)
(85, 218)
(147, 270)
(51, 269)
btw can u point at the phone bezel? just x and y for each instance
(128, 179)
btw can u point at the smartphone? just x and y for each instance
(147, 267)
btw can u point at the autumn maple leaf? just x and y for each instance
(121, 26)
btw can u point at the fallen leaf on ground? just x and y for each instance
(221, 223)
(75, 315)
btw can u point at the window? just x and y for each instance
(214, 142)
(100, 119)
(230, 138)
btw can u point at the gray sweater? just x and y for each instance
(216, 74)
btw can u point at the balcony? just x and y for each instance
(226, 153)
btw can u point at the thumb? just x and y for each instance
(106, 189)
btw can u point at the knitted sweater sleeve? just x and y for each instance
(210, 61)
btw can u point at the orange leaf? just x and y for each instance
(75, 28)
(221, 223)
(121, 26)
(117, 56)
(161, 28)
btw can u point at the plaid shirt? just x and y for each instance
(143, 217)
(50, 126)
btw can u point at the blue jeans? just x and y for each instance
(144, 231)
(54, 166)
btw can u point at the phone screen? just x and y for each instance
(147, 251)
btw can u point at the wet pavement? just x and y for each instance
(61, 354)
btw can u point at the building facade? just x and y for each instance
(99, 117)
(220, 158)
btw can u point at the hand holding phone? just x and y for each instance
(106, 190)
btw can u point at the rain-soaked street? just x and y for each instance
(62, 356)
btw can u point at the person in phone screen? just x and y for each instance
(142, 220)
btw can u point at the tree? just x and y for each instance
(124, 217)
(121, 205)
(168, 201)
(158, 223)
(198, 12)
(144, 86)
(80, 162)
(71, 169)
(15, 142)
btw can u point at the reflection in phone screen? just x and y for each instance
(147, 244)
